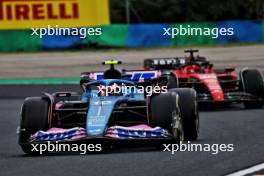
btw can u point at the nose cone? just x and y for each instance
(98, 115)
(217, 95)
(212, 84)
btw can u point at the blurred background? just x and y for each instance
(171, 11)
(131, 31)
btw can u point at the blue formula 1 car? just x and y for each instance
(112, 108)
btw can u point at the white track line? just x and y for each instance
(248, 170)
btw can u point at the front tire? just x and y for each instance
(189, 112)
(252, 83)
(165, 113)
(177, 111)
(34, 117)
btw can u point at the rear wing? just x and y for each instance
(164, 63)
(135, 76)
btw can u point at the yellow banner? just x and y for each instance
(26, 14)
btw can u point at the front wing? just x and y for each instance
(229, 97)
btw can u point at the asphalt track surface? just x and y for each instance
(227, 125)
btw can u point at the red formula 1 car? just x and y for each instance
(211, 85)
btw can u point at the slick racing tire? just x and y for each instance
(177, 111)
(253, 84)
(84, 81)
(165, 113)
(34, 117)
(172, 80)
(189, 112)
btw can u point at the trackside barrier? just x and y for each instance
(134, 35)
(142, 35)
(244, 31)
(112, 35)
(19, 40)
(194, 39)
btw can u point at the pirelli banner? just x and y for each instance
(26, 14)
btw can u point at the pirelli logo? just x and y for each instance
(16, 14)
(38, 10)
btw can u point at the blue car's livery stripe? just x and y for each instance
(134, 76)
(141, 76)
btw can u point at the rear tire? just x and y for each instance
(172, 81)
(34, 117)
(252, 83)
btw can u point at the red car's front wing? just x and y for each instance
(237, 97)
